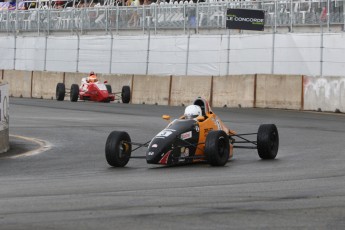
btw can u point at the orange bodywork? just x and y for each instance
(212, 122)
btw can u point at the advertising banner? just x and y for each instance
(245, 19)
(4, 117)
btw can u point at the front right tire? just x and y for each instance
(60, 91)
(217, 148)
(74, 94)
(118, 149)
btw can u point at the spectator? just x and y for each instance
(133, 21)
(4, 5)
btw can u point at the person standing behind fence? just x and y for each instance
(133, 21)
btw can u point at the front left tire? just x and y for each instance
(118, 149)
(268, 141)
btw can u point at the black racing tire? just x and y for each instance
(74, 94)
(60, 91)
(268, 141)
(109, 89)
(118, 149)
(217, 148)
(126, 94)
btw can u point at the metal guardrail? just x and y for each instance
(173, 15)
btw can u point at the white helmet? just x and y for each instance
(192, 111)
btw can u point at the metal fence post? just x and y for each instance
(111, 50)
(321, 51)
(148, 52)
(275, 16)
(117, 18)
(187, 59)
(228, 55)
(291, 15)
(328, 15)
(45, 53)
(14, 51)
(273, 52)
(78, 49)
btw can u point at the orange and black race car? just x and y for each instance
(198, 136)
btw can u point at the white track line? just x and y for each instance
(43, 146)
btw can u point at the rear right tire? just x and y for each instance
(109, 89)
(126, 94)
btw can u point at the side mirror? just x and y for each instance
(200, 118)
(166, 117)
(105, 82)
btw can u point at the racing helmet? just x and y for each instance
(93, 78)
(192, 111)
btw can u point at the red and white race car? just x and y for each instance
(96, 91)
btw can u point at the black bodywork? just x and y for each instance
(177, 143)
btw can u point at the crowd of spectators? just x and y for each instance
(58, 4)
(29, 4)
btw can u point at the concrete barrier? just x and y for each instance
(73, 78)
(4, 117)
(324, 93)
(117, 81)
(184, 89)
(263, 91)
(44, 84)
(19, 82)
(233, 91)
(151, 90)
(279, 91)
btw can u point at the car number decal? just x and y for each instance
(165, 133)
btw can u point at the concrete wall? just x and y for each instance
(4, 141)
(233, 91)
(151, 90)
(324, 93)
(73, 78)
(44, 84)
(4, 117)
(19, 82)
(117, 81)
(184, 89)
(279, 91)
(263, 91)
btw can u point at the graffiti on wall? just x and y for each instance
(4, 104)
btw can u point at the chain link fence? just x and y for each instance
(183, 16)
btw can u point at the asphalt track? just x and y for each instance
(64, 182)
